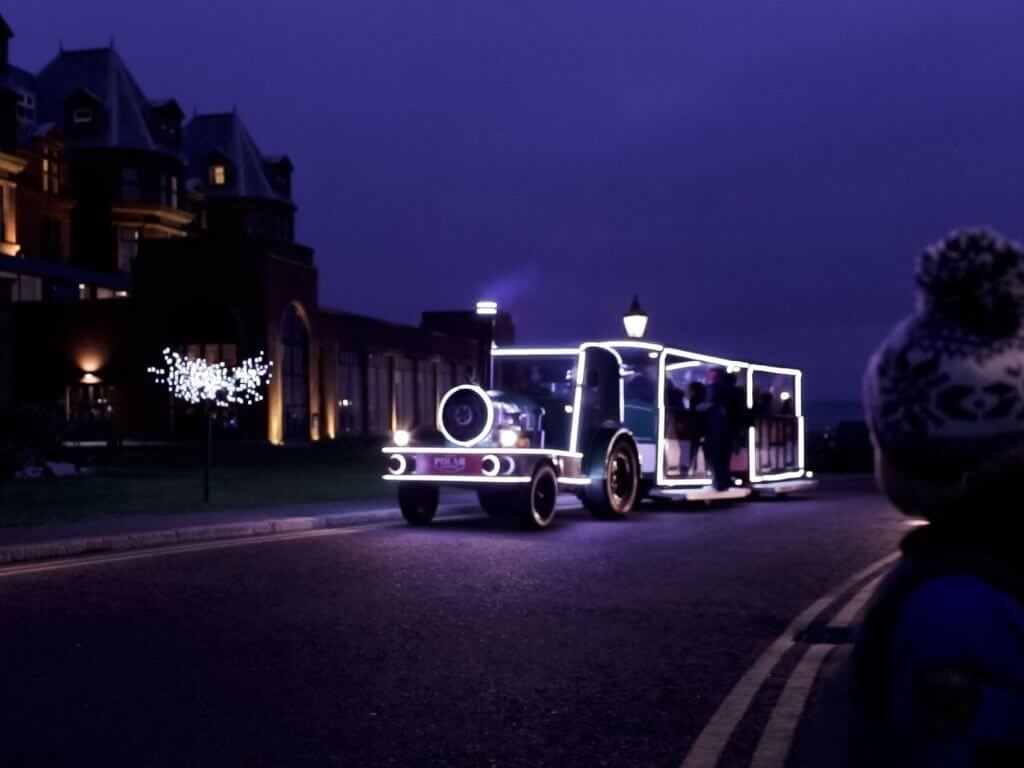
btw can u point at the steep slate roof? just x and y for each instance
(102, 73)
(226, 134)
(18, 79)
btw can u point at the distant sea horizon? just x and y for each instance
(823, 414)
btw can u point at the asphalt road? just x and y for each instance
(468, 643)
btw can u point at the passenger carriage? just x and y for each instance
(611, 421)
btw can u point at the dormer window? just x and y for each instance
(164, 118)
(82, 113)
(218, 175)
(169, 131)
(279, 174)
(26, 107)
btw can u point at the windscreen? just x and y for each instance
(543, 376)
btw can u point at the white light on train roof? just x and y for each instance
(487, 307)
(635, 320)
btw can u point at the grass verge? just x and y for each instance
(169, 480)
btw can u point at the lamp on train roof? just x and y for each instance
(635, 320)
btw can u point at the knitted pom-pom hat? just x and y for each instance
(946, 388)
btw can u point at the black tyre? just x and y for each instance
(536, 506)
(418, 502)
(615, 493)
(498, 503)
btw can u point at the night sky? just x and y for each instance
(763, 174)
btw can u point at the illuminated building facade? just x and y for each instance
(127, 228)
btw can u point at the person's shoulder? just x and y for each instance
(961, 617)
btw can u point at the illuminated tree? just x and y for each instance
(213, 385)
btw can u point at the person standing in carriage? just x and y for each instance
(723, 417)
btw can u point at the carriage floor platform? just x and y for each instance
(700, 494)
(706, 493)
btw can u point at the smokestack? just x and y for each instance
(6, 33)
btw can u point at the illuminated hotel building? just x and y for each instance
(125, 228)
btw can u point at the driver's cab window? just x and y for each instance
(547, 380)
(547, 376)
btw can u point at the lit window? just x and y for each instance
(169, 190)
(127, 247)
(83, 291)
(81, 116)
(27, 288)
(51, 171)
(218, 175)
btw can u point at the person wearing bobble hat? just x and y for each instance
(939, 662)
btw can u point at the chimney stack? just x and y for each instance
(6, 33)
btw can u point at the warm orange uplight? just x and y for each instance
(275, 411)
(89, 361)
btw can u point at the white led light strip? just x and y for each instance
(479, 479)
(801, 470)
(429, 450)
(691, 359)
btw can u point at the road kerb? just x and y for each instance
(119, 542)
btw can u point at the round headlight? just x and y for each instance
(507, 438)
(397, 464)
(465, 415)
(401, 438)
(490, 465)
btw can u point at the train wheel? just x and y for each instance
(616, 493)
(538, 500)
(418, 502)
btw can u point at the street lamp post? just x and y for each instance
(635, 320)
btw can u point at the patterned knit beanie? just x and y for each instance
(945, 391)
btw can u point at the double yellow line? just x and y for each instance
(777, 736)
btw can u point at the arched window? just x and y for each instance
(294, 375)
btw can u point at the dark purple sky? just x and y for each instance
(762, 174)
